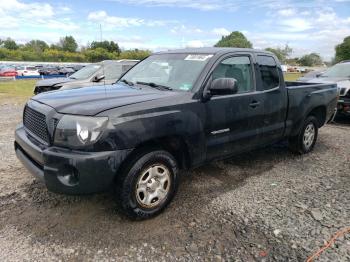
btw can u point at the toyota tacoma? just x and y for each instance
(174, 110)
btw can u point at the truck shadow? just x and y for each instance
(342, 120)
(95, 221)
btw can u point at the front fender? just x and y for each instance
(131, 131)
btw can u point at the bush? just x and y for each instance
(57, 55)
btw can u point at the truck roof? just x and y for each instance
(212, 50)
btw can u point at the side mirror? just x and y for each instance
(98, 78)
(223, 86)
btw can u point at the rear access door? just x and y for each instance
(275, 98)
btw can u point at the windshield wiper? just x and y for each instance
(127, 82)
(157, 86)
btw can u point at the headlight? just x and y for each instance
(78, 131)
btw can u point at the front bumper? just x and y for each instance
(343, 106)
(68, 171)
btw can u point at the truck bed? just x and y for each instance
(304, 97)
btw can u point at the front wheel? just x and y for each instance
(305, 141)
(147, 185)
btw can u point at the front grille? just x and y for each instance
(35, 122)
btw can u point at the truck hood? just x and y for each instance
(90, 101)
(54, 81)
(328, 80)
(341, 82)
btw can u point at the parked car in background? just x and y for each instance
(105, 72)
(49, 70)
(340, 74)
(27, 71)
(78, 67)
(311, 75)
(174, 110)
(302, 69)
(67, 70)
(8, 71)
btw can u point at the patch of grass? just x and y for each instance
(291, 76)
(18, 88)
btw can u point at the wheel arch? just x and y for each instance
(320, 113)
(175, 145)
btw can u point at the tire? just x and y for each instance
(305, 141)
(147, 184)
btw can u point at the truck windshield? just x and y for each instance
(339, 70)
(85, 72)
(175, 71)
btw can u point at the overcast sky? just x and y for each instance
(307, 26)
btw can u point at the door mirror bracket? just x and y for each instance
(98, 78)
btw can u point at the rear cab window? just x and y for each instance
(268, 71)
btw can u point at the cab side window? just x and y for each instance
(269, 72)
(239, 68)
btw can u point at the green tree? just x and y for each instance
(310, 60)
(55, 47)
(36, 46)
(235, 39)
(66, 51)
(342, 51)
(68, 43)
(109, 46)
(281, 53)
(9, 44)
(99, 54)
(134, 54)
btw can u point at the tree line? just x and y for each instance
(66, 50)
(238, 39)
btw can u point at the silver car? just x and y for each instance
(105, 72)
(340, 74)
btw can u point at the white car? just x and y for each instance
(27, 71)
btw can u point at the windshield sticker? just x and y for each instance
(197, 57)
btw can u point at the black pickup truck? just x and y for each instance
(172, 111)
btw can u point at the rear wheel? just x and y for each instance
(147, 185)
(305, 141)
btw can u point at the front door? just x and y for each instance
(234, 121)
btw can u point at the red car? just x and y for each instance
(8, 72)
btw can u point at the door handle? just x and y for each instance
(254, 104)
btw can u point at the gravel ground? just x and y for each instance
(268, 205)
